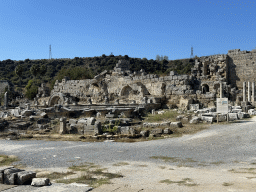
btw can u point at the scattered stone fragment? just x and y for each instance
(39, 182)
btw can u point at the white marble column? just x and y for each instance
(221, 90)
(249, 91)
(253, 89)
(244, 91)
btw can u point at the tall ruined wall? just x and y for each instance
(242, 67)
(3, 85)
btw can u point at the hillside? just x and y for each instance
(84, 67)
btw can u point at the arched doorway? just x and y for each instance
(57, 98)
(205, 88)
(126, 91)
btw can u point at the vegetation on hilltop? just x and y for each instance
(29, 74)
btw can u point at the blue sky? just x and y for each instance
(138, 28)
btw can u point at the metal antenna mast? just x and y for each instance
(192, 54)
(50, 53)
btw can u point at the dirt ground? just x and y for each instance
(147, 177)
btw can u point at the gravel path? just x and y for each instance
(226, 143)
(205, 157)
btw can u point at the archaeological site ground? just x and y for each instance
(121, 107)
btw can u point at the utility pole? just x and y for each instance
(50, 52)
(192, 54)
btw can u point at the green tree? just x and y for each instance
(42, 70)
(35, 70)
(18, 72)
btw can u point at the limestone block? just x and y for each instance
(179, 92)
(91, 121)
(189, 92)
(173, 73)
(165, 124)
(232, 116)
(39, 182)
(27, 113)
(252, 111)
(10, 175)
(15, 112)
(157, 131)
(175, 77)
(176, 124)
(194, 120)
(125, 130)
(25, 177)
(177, 82)
(72, 121)
(236, 110)
(144, 133)
(207, 119)
(167, 131)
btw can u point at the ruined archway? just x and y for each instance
(205, 88)
(126, 90)
(56, 98)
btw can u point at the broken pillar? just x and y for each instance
(5, 100)
(244, 91)
(63, 127)
(249, 91)
(253, 89)
(221, 90)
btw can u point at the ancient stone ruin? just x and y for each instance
(119, 95)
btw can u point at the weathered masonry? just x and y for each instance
(212, 77)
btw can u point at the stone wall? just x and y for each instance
(242, 67)
(3, 85)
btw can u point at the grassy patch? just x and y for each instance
(94, 178)
(217, 163)
(244, 170)
(184, 182)
(174, 159)
(227, 184)
(7, 160)
(120, 164)
(142, 165)
(166, 159)
(56, 175)
(166, 116)
(83, 167)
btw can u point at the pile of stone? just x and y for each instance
(208, 115)
(15, 176)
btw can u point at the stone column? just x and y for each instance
(253, 89)
(244, 91)
(221, 90)
(63, 128)
(5, 100)
(249, 91)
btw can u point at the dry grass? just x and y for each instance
(184, 182)
(166, 116)
(120, 164)
(91, 175)
(56, 175)
(227, 184)
(250, 170)
(7, 160)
